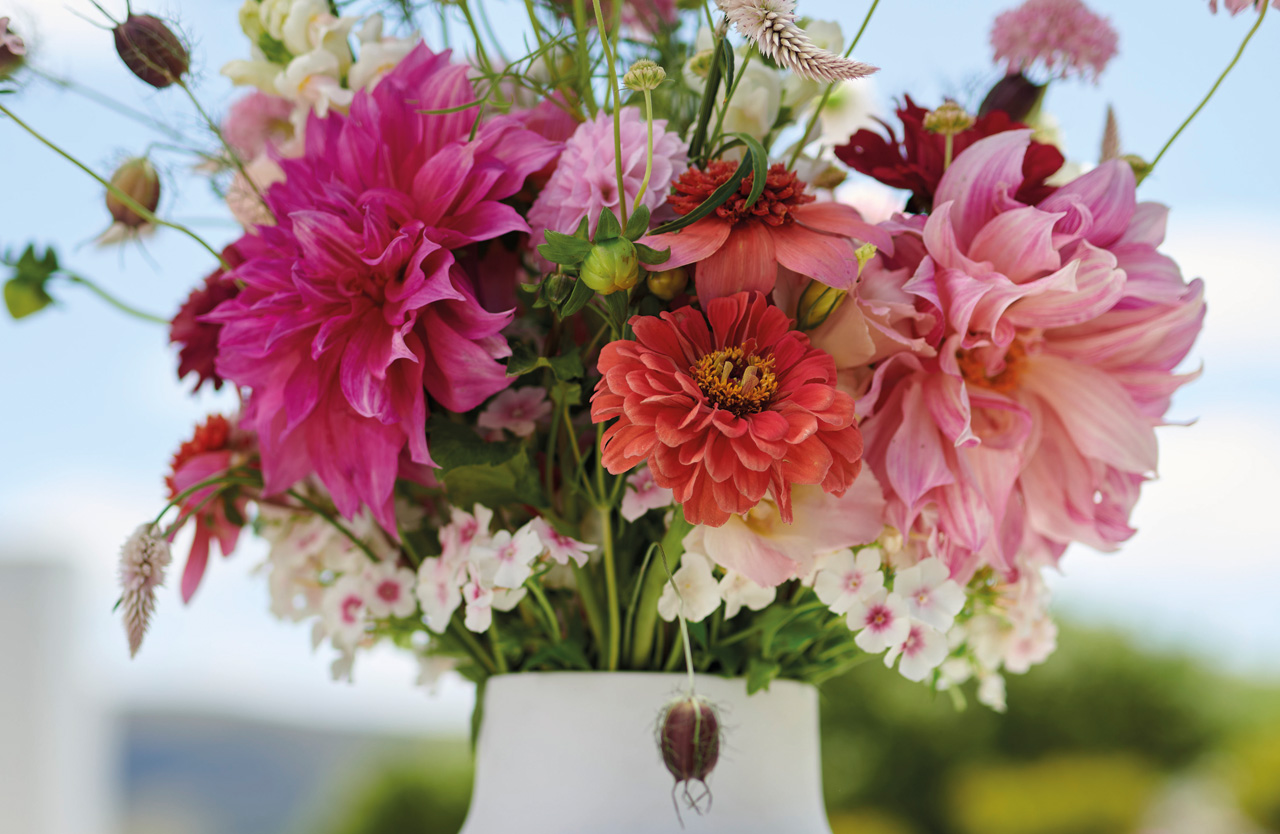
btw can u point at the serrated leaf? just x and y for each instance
(638, 223)
(608, 228)
(718, 198)
(760, 673)
(525, 360)
(652, 257)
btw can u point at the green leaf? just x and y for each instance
(524, 360)
(564, 394)
(718, 198)
(608, 228)
(759, 167)
(274, 51)
(727, 57)
(24, 297)
(564, 249)
(577, 299)
(514, 481)
(563, 655)
(454, 445)
(760, 673)
(617, 306)
(652, 257)
(638, 223)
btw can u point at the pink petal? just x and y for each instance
(981, 181)
(822, 257)
(693, 243)
(745, 263)
(1108, 192)
(1019, 244)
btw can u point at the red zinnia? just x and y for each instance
(727, 412)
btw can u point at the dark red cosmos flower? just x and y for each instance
(915, 162)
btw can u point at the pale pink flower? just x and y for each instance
(922, 651)
(9, 42)
(740, 592)
(391, 590)
(505, 560)
(692, 591)
(931, 595)
(517, 410)
(845, 578)
(463, 530)
(438, 591)
(560, 547)
(1062, 35)
(344, 610)
(257, 122)
(354, 309)
(769, 551)
(143, 560)
(643, 494)
(586, 181)
(881, 621)
(479, 610)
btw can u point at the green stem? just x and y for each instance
(111, 104)
(826, 94)
(611, 586)
(113, 301)
(724, 110)
(131, 203)
(583, 58)
(646, 613)
(499, 660)
(948, 146)
(538, 594)
(327, 516)
(226, 146)
(590, 604)
(228, 477)
(648, 161)
(1212, 89)
(472, 645)
(617, 109)
(481, 55)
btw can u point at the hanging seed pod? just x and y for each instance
(689, 739)
(1015, 95)
(12, 50)
(151, 50)
(137, 177)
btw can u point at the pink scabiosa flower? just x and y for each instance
(1063, 36)
(218, 512)
(1057, 329)
(737, 248)
(725, 408)
(586, 180)
(257, 122)
(353, 306)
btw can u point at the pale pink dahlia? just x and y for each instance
(353, 307)
(586, 180)
(1055, 330)
(1062, 35)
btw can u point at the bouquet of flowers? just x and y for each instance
(586, 358)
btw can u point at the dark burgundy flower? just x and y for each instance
(915, 162)
(198, 340)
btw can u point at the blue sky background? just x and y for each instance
(90, 409)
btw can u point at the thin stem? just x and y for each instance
(611, 586)
(499, 660)
(477, 651)
(226, 477)
(111, 104)
(113, 301)
(481, 55)
(226, 146)
(583, 57)
(724, 110)
(648, 161)
(589, 602)
(538, 594)
(1212, 89)
(826, 94)
(617, 109)
(131, 203)
(338, 525)
(948, 147)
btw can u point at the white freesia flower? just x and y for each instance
(922, 651)
(797, 90)
(692, 590)
(740, 592)
(314, 79)
(378, 55)
(931, 595)
(881, 621)
(303, 17)
(257, 72)
(846, 578)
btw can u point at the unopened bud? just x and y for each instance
(612, 265)
(668, 283)
(1015, 95)
(699, 64)
(1141, 168)
(151, 51)
(13, 50)
(817, 303)
(138, 178)
(644, 75)
(559, 287)
(830, 176)
(949, 119)
(689, 738)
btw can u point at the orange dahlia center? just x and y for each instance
(783, 191)
(736, 380)
(975, 369)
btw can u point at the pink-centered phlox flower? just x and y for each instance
(643, 494)
(391, 590)
(517, 410)
(353, 308)
(586, 181)
(932, 597)
(439, 591)
(1063, 36)
(1057, 329)
(562, 548)
(881, 620)
(922, 651)
(845, 578)
(344, 611)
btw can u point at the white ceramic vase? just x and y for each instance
(576, 753)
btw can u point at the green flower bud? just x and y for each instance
(668, 283)
(817, 303)
(559, 287)
(137, 177)
(644, 75)
(949, 119)
(612, 265)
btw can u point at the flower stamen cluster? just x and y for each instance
(738, 381)
(783, 191)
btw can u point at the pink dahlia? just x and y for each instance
(1054, 331)
(725, 408)
(586, 180)
(739, 248)
(353, 306)
(1061, 35)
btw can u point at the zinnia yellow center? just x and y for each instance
(736, 381)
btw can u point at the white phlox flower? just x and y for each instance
(846, 578)
(881, 620)
(922, 651)
(932, 597)
(740, 592)
(344, 611)
(559, 547)
(438, 591)
(391, 590)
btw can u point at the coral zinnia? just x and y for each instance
(737, 248)
(726, 408)
(353, 306)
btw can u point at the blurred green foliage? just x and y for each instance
(408, 795)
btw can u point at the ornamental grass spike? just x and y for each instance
(771, 25)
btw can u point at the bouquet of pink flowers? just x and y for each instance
(586, 359)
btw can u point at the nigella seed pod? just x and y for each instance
(151, 50)
(1015, 95)
(689, 739)
(138, 178)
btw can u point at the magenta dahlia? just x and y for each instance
(353, 308)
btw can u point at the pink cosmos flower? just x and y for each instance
(1061, 35)
(256, 122)
(517, 410)
(353, 307)
(1057, 328)
(738, 249)
(725, 407)
(586, 181)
